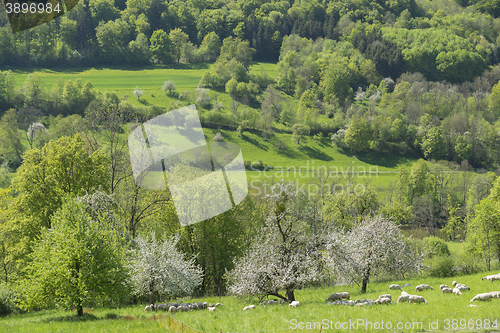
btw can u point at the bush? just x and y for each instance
(7, 301)
(248, 164)
(257, 165)
(435, 247)
(442, 266)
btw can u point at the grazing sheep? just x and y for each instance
(492, 277)
(149, 307)
(482, 297)
(462, 288)
(416, 299)
(211, 309)
(172, 309)
(269, 302)
(404, 293)
(205, 304)
(200, 305)
(162, 307)
(345, 295)
(386, 296)
(403, 298)
(495, 294)
(395, 287)
(421, 287)
(443, 286)
(219, 304)
(456, 284)
(383, 300)
(194, 306)
(211, 305)
(447, 290)
(250, 307)
(456, 291)
(334, 297)
(294, 304)
(366, 303)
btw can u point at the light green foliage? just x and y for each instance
(349, 207)
(300, 131)
(210, 47)
(435, 247)
(397, 211)
(138, 50)
(11, 148)
(178, 38)
(358, 135)
(48, 174)
(7, 84)
(433, 144)
(112, 37)
(483, 231)
(34, 90)
(103, 10)
(161, 46)
(455, 221)
(415, 183)
(80, 260)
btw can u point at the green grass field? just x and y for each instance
(443, 308)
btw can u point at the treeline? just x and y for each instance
(454, 44)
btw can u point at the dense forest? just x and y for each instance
(406, 78)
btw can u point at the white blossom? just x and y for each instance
(283, 255)
(159, 267)
(138, 92)
(370, 248)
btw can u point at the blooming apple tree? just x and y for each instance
(158, 267)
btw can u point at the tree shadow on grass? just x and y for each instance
(315, 153)
(73, 318)
(385, 160)
(254, 142)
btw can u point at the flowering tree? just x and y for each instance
(371, 247)
(283, 255)
(157, 266)
(138, 92)
(30, 134)
(169, 85)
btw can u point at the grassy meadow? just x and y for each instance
(443, 308)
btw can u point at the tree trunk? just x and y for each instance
(151, 298)
(289, 295)
(365, 283)
(79, 310)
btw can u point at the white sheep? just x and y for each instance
(205, 304)
(149, 307)
(447, 290)
(395, 287)
(345, 295)
(443, 286)
(456, 284)
(421, 287)
(334, 297)
(416, 299)
(482, 297)
(492, 277)
(456, 291)
(495, 294)
(250, 307)
(403, 298)
(383, 300)
(211, 309)
(219, 304)
(404, 293)
(294, 304)
(462, 288)
(172, 309)
(386, 296)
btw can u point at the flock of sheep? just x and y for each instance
(343, 298)
(458, 288)
(182, 307)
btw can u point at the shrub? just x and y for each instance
(257, 165)
(435, 247)
(247, 163)
(441, 266)
(7, 301)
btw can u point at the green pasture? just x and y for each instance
(443, 308)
